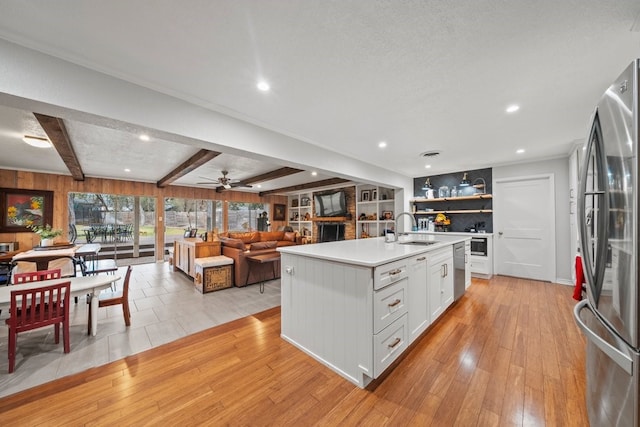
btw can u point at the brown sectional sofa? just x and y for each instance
(240, 245)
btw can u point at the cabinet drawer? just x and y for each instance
(387, 274)
(440, 255)
(389, 304)
(389, 344)
(479, 266)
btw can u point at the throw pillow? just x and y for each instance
(233, 243)
(289, 236)
(247, 236)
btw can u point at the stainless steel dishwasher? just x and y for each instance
(458, 270)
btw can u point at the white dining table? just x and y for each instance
(83, 285)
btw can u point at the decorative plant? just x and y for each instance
(45, 231)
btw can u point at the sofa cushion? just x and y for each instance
(263, 245)
(267, 236)
(289, 236)
(233, 243)
(246, 236)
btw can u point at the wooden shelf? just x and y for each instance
(460, 211)
(453, 199)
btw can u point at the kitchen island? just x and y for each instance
(357, 305)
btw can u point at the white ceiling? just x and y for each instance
(421, 75)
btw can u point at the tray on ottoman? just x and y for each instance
(213, 273)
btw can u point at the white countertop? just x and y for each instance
(370, 252)
(452, 233)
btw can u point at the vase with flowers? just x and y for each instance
(46, 232)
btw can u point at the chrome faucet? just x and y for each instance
(395, 226)
(413, 221)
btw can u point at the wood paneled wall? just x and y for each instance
(62, 185)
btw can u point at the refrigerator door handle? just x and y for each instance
(594, 268)
(613, 353)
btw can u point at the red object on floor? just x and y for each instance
(577, 291)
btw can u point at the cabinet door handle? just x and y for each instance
(394, 343)
(393, 304)
(421, 258)
(394, 272)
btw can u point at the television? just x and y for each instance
(331, 203)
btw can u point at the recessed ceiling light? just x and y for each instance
(259, 185)
(144, 137)
(427, 166)
(314, 173)
(520, 151)
(263, 86)
(37, 141)
(513, 108)
(127, 170)
(382, 144)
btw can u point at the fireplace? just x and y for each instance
(330, 232)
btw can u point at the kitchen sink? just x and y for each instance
(418, 242)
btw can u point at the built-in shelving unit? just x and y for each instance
(300, 214)
(419, 202)
(476, 205)
(374, 209)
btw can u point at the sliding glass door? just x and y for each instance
(124, 226)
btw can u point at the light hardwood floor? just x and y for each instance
(508, 353)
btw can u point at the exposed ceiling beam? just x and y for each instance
(268, 176)
(57, 133)
(316, 184)
(189, 165)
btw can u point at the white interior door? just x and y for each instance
(524, 215)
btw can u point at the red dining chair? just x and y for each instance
(35, 308)
(37, 276)
(106, 299)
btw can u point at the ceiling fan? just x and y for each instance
(224, 182)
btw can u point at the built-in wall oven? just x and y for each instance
(479, 246)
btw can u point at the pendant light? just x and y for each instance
(465, 180)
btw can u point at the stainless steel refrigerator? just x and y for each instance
(608, 229)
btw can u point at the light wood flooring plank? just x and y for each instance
(507, 353)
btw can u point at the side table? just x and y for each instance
(270, 257)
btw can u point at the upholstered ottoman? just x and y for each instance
(213, 273)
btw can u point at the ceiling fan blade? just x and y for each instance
(207, 183)
(240, 184)
(209, 179)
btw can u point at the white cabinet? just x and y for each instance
(300, 214)
(467, 264)
(419, 316)
(440, 281)
(374, 210)
(358, 320)
(482, 265)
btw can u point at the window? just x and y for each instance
(247, 216)
(189, 214)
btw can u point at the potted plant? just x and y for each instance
(46, 232)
